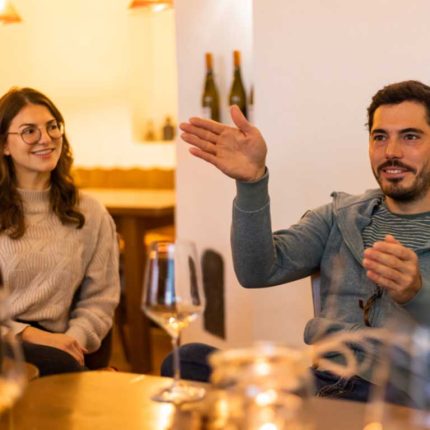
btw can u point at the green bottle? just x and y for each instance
(210, 98)
(237, 91)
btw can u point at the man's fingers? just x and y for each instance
(392, 239)
(382, 281)
(394, 267)
(207, 124)
(203, 155)
(381, 257)
(382, 270)
(394, 249)
(203, 145)
(239, 119)
(202, 133)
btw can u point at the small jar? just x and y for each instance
(266, 387)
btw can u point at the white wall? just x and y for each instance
(204, 196)
(316, 66)
(315, 72)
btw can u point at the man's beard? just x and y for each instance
(394, 189)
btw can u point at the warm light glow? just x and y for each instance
(166, 416)
(269, 426)
(154, 5)
(8, 14)
(159, 7)
(223, 408)
(262, 368)
(266, 398)
(373, 426)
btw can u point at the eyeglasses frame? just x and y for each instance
(60, 124)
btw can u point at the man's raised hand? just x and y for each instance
(239, 152)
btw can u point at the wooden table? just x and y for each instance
(112, 400)
(98, 400)
(135, 211)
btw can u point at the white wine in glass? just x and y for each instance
(173, 298)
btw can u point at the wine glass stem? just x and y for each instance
(176, 360)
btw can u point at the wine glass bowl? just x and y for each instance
(173, 298)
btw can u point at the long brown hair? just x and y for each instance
(63, 196)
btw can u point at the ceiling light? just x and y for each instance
(154, 5)
(8, 14)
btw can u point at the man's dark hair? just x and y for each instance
(397, 93)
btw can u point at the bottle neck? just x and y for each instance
(209, 78)
(236, 72)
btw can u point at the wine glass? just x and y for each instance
(173, 298)
(401, 394)
(12, 370)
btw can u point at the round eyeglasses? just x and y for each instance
(31, 134)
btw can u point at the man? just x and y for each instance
(372, 251)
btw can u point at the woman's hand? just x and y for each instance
(56, 340)
(238, 152)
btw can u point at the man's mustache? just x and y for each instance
(395, 163)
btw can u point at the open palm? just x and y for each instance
(238, 152)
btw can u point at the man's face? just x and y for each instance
(399, 150)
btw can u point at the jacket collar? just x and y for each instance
(352, 214)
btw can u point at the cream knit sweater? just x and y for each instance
(45, 268)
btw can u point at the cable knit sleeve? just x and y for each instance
(95, 302)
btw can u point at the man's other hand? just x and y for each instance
(393, 267)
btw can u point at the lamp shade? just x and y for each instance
(155, 5)
(8, 14)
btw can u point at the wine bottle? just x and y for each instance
(150, 134)
(210, 98)
(168, 130)
(237, 91)
(251, 105)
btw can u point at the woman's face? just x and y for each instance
(33, 162)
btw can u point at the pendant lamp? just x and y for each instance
(8, 14)
(154, 5)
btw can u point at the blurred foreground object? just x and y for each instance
(402, 377)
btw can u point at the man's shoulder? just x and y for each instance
(343, 200)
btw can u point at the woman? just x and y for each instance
(58, 248)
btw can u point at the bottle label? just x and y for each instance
(206, 112)
(235, 99)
